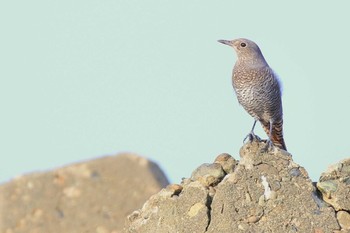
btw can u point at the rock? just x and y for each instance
(288, 204)
(265, 192)
(227, 162)
(208, 174)
(93, 196)
(334, 185)
(176, 189)
(344, 219)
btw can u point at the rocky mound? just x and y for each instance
(263, 192)
(94, 196)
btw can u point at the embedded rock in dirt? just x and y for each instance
(334, 185)
(263, 192)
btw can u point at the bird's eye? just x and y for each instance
(243, 44)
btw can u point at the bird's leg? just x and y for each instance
(269, 143)
(251, 134)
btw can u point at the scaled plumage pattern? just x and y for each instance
(258, 89)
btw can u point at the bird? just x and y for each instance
(258, 90)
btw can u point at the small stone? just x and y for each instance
(347, 181)
(285, 179)
(275, 185)
(174, 188)
(253, 219)
(295, 172)
(327, 188)
(227, 162)
(243, 226)
(261, 201)
(194, 210)
(344, 219)
(211, 191)
(134, 215)
(208, 174)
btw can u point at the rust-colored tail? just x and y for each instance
(277, 133)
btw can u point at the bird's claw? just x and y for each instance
(252, 137)
(269, 145)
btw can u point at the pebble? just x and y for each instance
(344, 219)
(208, 174)
(227, 162)
(176, 189)
(327, 187)
(295, 172)
(261, 201)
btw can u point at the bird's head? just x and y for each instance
(245, 49)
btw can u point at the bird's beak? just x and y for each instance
(226, 42)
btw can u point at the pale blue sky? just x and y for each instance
(84, 79)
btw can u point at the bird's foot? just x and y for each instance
(269, 146)
(251, 137)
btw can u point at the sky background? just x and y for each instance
(85, 79)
